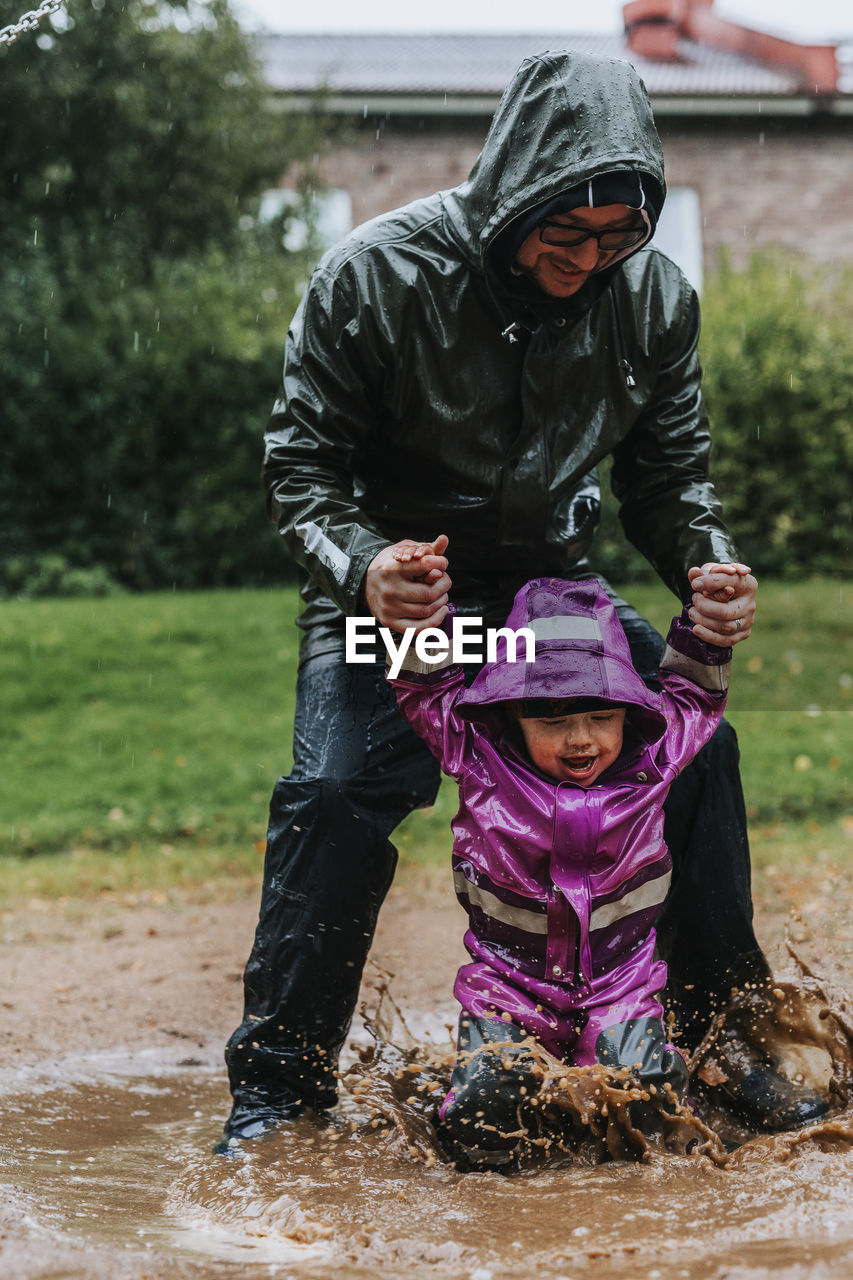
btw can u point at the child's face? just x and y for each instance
(574, 748)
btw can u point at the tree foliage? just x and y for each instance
(141, 123)
(135, 430)
(142, 305)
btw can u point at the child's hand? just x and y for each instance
(406, 551)
(723, 608)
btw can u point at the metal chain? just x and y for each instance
(29, 21)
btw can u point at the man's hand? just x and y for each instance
(723, 607)
(406, 585)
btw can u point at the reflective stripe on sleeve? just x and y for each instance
(324, 549)
(713, 678)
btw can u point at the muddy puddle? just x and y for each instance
(107, 1170)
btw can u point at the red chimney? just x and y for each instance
(654, 29)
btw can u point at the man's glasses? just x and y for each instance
(569, 237)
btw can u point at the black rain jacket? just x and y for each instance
(405, 412)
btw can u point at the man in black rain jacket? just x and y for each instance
(462, 365)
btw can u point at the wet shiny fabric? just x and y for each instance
(561, 882)
(358, 770)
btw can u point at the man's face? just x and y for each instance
(561, 270)
(576, 748)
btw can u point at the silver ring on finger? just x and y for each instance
(737, 624)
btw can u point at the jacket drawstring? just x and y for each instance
(624, 362)
(513, 328)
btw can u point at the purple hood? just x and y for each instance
(581, 652)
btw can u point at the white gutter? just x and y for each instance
(484, 105)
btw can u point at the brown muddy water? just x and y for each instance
(107, 1171)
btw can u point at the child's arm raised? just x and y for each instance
(427, 692)
(694, 676)
(695, 667)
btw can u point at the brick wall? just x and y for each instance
(768, 183)
(389, 167)
(759, 180)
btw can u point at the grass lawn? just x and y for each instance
(141, 735)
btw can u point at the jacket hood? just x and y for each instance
(565, 118)
(581, 652)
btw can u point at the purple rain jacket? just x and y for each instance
(562, 883)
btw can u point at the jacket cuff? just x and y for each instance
(367, 548)
(412, 665)
(707, 665)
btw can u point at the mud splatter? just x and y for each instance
(801, 1025)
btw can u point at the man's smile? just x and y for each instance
(567, 269)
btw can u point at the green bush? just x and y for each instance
(29, 577)
(134, 414)
(777, 349)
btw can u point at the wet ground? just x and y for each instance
(106, 1167)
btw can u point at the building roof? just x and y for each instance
(481, 65)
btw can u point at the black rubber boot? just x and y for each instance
(247, 1123)
(492, 1078)
(329, 866)
(768, 1102)
(640, 1044)
(758, 1094)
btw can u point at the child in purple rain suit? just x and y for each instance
(563, 765)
